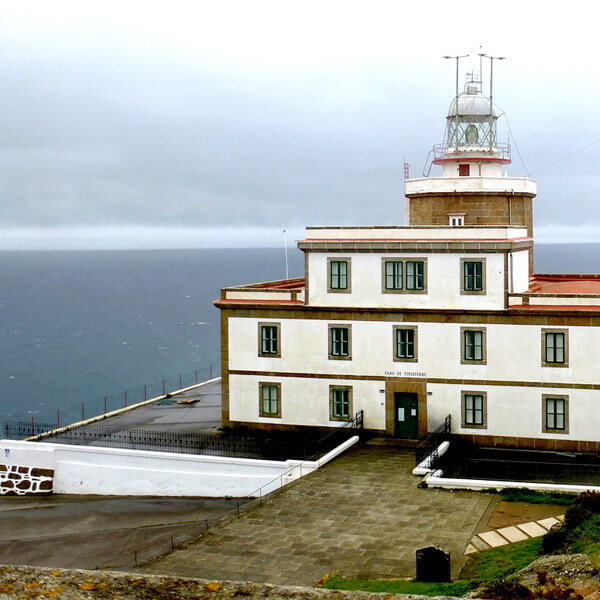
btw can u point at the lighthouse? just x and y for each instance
(474, 188)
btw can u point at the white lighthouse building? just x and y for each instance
(410, 324)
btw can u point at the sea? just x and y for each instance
(82, 332)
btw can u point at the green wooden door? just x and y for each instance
(405, 416)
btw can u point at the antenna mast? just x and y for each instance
(406, 200)
(287, 268)
(457, 58)
(492, 59)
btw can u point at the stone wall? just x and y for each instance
(40, 582)
(16, 480)
(479, 209)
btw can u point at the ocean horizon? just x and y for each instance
(83, 329)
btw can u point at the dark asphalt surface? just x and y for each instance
(202, 416)
(89, 531)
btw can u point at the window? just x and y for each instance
(402, 276)
(474, 409)
(415, 275)
(473, 276)
(555, 414)
(405, 343)
(338, 275)
(339, 341)
(555, 348)
(473, 345)
(269, 339)
(340, 403)
(393, 274)
(464, 170)
(456, 220)
(269, 399)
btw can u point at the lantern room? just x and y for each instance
(470, 145)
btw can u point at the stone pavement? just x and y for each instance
(363, 514)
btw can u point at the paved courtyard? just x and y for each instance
(363, 514)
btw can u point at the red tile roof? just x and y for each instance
(564, 284)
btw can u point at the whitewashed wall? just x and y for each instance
(305, 401)
(520, 271)
(439, 185)
(516, 411)
(513, 351)
(443, 282)
(513, 354)
(114, 471)
(482, 169)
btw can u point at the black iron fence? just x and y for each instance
(426, 453)
(19, 430)
(467, 461)
(233, 443)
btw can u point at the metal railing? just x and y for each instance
(91, 407)
(19, 430)
(426, 453)
(339, 435)
(245, 444)
(467, 461)
(444, 150)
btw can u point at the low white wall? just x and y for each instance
(437, 480)
(121, 472)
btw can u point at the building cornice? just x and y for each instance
(420, 246)
(470, 185)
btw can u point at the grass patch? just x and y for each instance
(498, 563)
(482, 567)
(456, 588)
(535, 497)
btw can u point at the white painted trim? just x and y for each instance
(437, 480)
(518, 185)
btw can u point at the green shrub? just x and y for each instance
(580, 531)
(589, 501)
(575, 514)
(506, 590)
(554, 540)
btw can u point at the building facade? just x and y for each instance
(410, 324)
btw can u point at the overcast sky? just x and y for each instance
(221, 123)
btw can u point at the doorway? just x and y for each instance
(406, 418)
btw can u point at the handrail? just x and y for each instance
(426, 453)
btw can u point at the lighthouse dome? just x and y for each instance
(471, 103)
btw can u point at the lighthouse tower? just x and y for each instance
(473, 188)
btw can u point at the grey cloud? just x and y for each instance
(107, 140)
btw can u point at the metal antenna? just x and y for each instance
(287, 268)
(406, 200)
(492, 59)
(457, 58)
